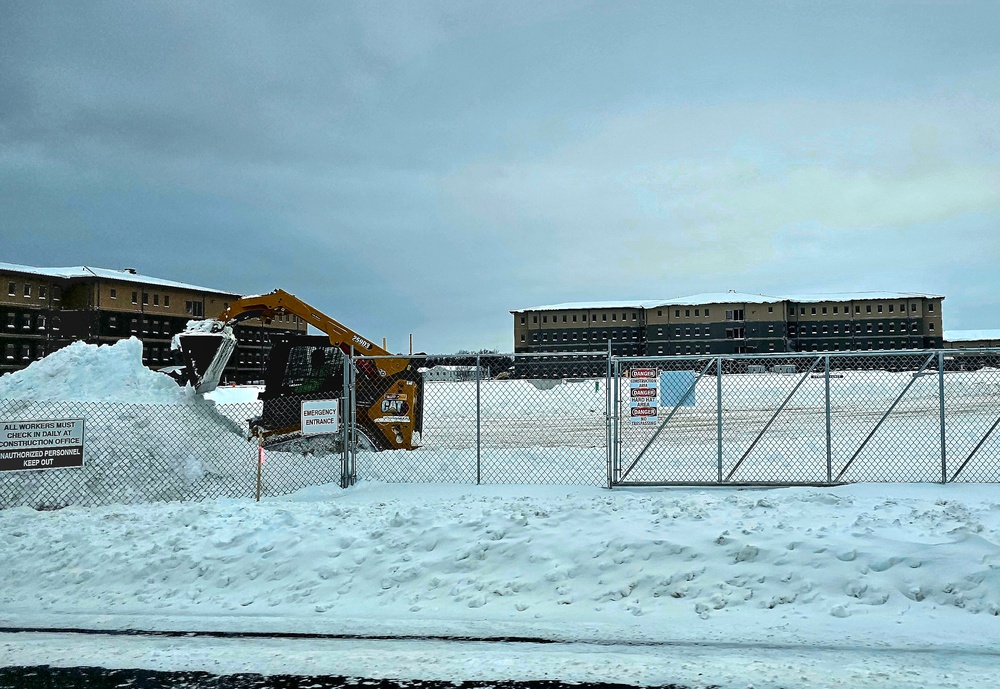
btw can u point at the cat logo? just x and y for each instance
(395, 407)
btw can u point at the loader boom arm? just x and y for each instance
(279, 302)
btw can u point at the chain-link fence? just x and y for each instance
(807, 418)
(582, 419)
(137, 453)
(501, 419)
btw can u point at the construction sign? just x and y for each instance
(644, 396)
(41, 444)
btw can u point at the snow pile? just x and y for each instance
(146, 438)
(86, 372)
(851, 566)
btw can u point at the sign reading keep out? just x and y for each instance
(42, 444)
(320, 416)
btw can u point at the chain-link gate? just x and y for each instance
(806, 418)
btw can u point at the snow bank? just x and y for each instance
(86, 372)
(877, 567)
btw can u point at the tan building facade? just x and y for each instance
(734, 323)
(45, 309)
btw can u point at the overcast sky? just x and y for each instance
(426, 167)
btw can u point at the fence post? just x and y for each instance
(607, 418)
(718, 413)
(829, 440)
(479, 427)
(345, 431)
(944, 453)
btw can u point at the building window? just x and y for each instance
(574, 318)
(890, 308)
(11, 291)
(534, 319)
(614, 317)
(770, 328)
(135, 297)
(522, 317)
(770, 309)
(857, 308)
(835, 309)
(145, 298)
(813, 310)
(10, 320)
(824, 309)
(913, 307)
(880, 308)
(9, 352)
(604, 317)
(706, 313)
(868, 327)
(27, 290)
(677, 313)
(930, 326)
(114, 293)
(41, 321)
(802, 311)
(545, 319)
(687, 313)
(166, 300)
(41, 291)
(868, 308)
(696, 312)
(687, 331)
(156, 300)
(930, 306)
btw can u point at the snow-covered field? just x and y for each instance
(864, 585)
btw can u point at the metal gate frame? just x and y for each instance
(617, 366)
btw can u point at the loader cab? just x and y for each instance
(303, 365)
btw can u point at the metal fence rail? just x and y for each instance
(928, 416)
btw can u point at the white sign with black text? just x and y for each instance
(320, 416)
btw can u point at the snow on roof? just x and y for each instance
(721, 298)
(580, 305)
(859, 296)
(730, 298)
(106, 274)
(970, 335)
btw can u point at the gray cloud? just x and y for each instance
(427, 166)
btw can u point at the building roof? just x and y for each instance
(859, 296)
(970, 335)
(125, 275)
(581, 305)
(731, 298)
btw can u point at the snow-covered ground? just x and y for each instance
(860, 585)
(864, 585)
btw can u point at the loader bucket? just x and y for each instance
(205, 356)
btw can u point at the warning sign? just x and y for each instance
(41, 444)
(644, 396)
(320, 416)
